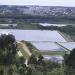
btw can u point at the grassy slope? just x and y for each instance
(22, 51)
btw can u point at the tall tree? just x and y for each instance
(70, 61)
(8, 48)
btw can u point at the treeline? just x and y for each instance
(17, 17)
(69, 29)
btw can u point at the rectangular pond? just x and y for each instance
(47, 46)
(35, 35)
(68, 45)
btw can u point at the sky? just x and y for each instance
(39, 2)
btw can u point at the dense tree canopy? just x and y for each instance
(70, 61)
(32, 60)
(8, 48)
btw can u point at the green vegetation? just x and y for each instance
(52, 68)
(28, 26)
(68, 29)
(36, 52)
(25, 26)
(44, 67)
(70, 60)
(12, 64)
(40, 66)
(7, 49)
(26, 18)
(53, 53)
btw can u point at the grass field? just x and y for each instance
(28, 26)
(36, 52)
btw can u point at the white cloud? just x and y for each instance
(39, 2)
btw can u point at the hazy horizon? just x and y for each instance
(65, 3)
